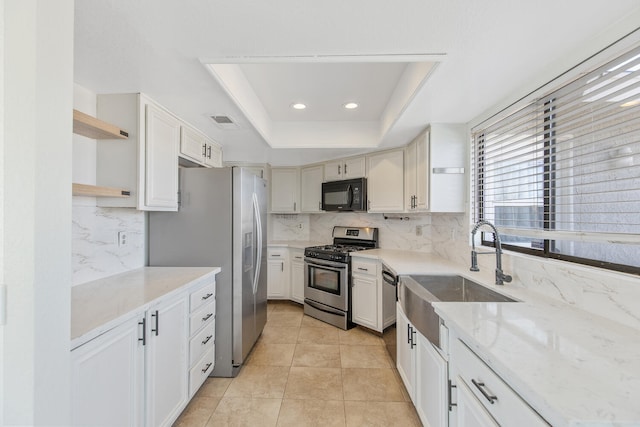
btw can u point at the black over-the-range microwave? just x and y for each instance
(347, 195)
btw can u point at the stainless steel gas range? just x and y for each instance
(327, 274)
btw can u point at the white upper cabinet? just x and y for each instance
(311, 178)
(416, 174)
(196, 147)
(161, 174)
(285, 190)
(146, 164)
(345, 169)
(386, 182)
(447, 145)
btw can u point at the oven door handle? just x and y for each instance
(332, 266)
(324, 308)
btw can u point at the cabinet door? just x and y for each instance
(277, 279)
(333, 171)
(386, 182)
(365, 301)
(297, 275)
(422, 172)
(354, 168)
(213, 155)
(410, 177)
(162, 140)
(284, 190)
(311, 186)
(192, 145)
(469, 411)
(406, 357)
(167, 361)
(107, 378)
(431, 384)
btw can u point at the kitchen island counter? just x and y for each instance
(100, 305)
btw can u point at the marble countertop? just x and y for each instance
(299, 244)
(100, 305)
(573, 367)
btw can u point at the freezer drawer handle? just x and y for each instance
(207, 317)
(206, 368)
(207, 339)
(480, 386)
(207, 296)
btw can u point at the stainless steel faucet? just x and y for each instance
(500, 276)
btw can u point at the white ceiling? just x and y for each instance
(486, 52)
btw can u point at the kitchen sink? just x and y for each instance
(416, 293)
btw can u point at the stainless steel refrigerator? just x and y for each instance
(221, 222)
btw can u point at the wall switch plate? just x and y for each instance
(123, 239)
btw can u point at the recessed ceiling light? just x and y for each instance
(298, 106)
(350, 105)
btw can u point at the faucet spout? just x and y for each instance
(501, 278)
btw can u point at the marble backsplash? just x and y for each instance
(95, 250)
(392, 233)
(603, 292)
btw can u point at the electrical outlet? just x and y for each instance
(123, 239)
(418, 230)
(300, 226)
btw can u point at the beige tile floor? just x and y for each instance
(304, 372)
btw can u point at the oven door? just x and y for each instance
(327, 282)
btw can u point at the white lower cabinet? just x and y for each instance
(296, 257)
(406, 357)
(372, 302)
(107, 378)
(167, 361)
(483, 398)
(423, 371)
(431, 384)
(139, 373)
(278, 273)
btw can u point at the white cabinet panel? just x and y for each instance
(192, 144)
(311, 189)
(107, 378)
(167, 361)
(278, 274)
(406, 357)
(163, 137)
(385, 185)
(284, 190)
(345, 169)
(470, 412)
(431, 384)
(296, 257)
(365, 301)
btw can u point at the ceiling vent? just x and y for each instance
(224, 122)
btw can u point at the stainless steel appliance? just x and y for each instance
(347, 195)
(390, 279)
(327, 274)
(221, 222)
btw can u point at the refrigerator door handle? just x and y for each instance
(256, 211)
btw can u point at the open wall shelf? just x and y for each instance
(97, 191)
(86, 125)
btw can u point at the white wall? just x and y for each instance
(95, 250)
(38, 84)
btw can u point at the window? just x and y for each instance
(560, 176)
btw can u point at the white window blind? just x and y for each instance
(561, 175)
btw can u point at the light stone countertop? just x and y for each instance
(573, 367)
(298, 244)
(102, 304)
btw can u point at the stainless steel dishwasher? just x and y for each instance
(390, 279)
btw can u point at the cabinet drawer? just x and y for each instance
(202, 296)
(200, 343)
(279, 253)
(364, 266)
(507, 407)
(203, 316)
(200, 371)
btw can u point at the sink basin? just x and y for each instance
(416, 294)
(457, 288)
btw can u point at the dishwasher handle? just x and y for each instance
(389, 278)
